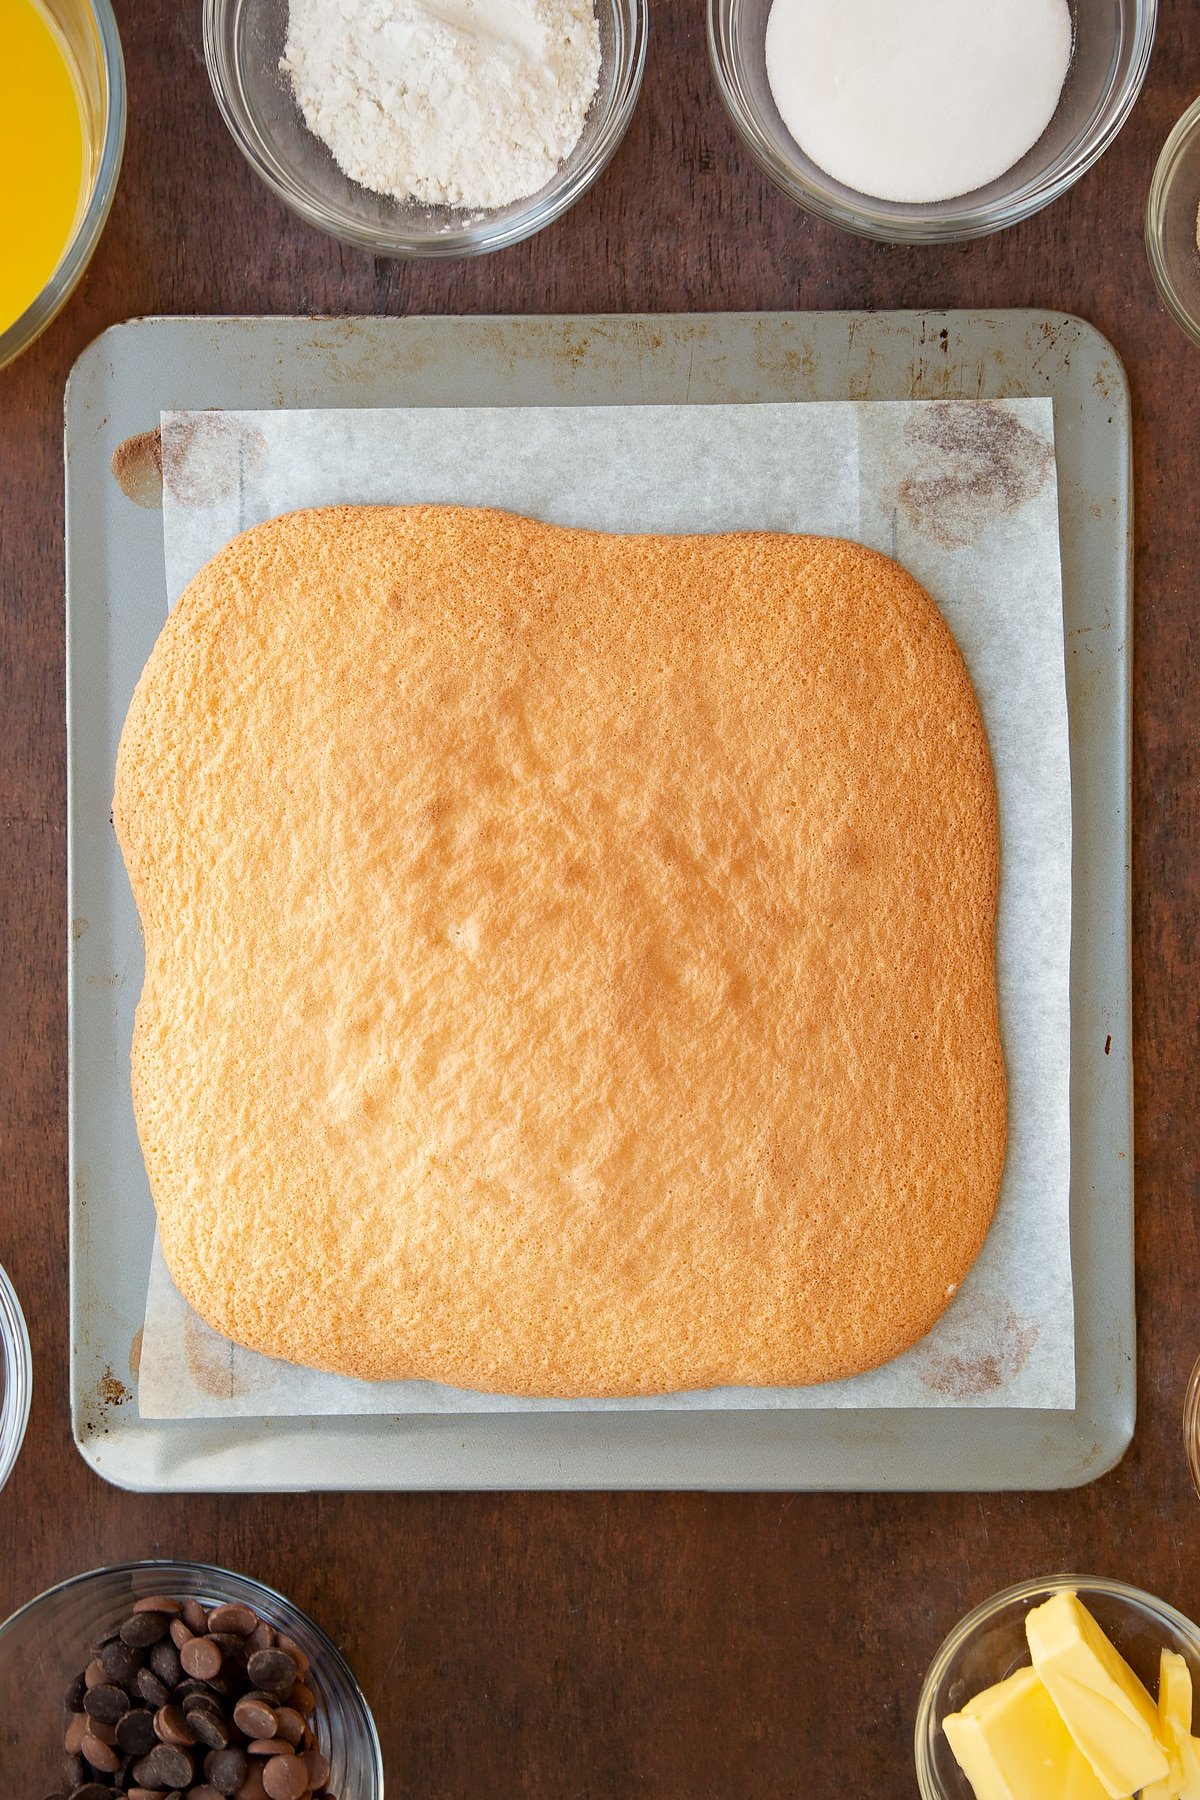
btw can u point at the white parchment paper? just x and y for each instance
(964, 495)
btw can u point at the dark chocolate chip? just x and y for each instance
(189, 1690)
(108, 1704)
(167, 1766)
(203, 1697)
(273, 1670)
(208, 1727)
(136, 1735)
(73, 1698)
(226, 1770)
(164, 1660)
(121, 1661)
(74, 1771)
(154, 1692)
(144, 1628)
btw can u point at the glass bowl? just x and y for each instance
(1191, 1422)
(1171, 222)
(243, 42)
(89, 32)
(45, 1645)
(16, 1378)
(1113, 40)
(990, 1644)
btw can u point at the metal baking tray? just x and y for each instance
(115, 606)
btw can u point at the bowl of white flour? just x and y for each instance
(927, 121)
(427, 127)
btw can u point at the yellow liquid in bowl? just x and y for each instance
(41, 155)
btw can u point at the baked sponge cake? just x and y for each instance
(569, 958)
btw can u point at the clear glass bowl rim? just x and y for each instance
(18, 1377)
(870, 219)
(469, 240)
(243, 1586)
(1025, 1590)
(1180, 135)
(1191, 1399)
(75, 259)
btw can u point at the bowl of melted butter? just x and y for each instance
(62, 133)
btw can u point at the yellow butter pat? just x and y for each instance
(1011, 1745)
(1175, 1730)
(1174, 1696)
(1103, 1705)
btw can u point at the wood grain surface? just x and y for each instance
(561, 1646)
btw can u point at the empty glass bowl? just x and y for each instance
(243, 42)
(1171, 222)
(1113, 40)
(88, 32)
(16, 1378)
(990, 1644)
(45, 1645)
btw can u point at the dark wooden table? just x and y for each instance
(669, 1645)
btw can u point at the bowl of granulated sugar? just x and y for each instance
(427, 127)
(926, 121)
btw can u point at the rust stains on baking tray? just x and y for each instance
(111, 1390)
(949, 362)
(109, 1393)
(976, 463)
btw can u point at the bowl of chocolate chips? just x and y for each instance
(178, 1681)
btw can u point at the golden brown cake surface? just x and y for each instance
(569, 957)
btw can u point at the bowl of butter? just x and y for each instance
(1071, 1685)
